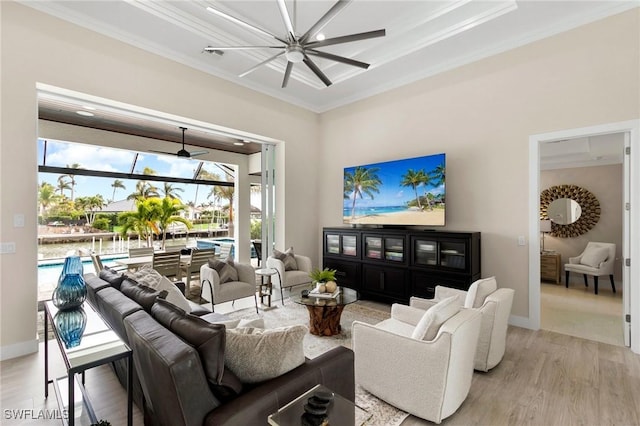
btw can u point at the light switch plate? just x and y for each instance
(521, 240)
(6, 248)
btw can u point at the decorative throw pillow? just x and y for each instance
(593, 256)
(142, 295)
(234, 323)
(288, 258)
(256, 354)
(208, 339)
(145, 275)
(112, 277)
(479, 291)
(151, 278)
(225, 269)
(429, 325)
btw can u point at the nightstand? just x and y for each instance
(550, 269)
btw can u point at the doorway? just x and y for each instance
(631, 189)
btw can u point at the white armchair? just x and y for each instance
(494, 305)
(427, 378)
(290, 278)
(216, 292)
(596, 260)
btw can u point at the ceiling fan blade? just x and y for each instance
(162, 152)
(213, 49)
(195, 153)
(286, 18)
(243, 23)
(346, 39)
(337, 58)
(287, 73)
(252, 69)
(313, 67)
(322, 22)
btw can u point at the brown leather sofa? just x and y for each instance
(179, 374)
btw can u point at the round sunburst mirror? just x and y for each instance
(572, 210)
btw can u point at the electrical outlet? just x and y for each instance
(521, 240)
(18, 220)
(6, 248)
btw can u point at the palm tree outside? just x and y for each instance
(46, 197)
(72, 177)
(362, 181)
(171, 191)
(117, 184)
(63, 184)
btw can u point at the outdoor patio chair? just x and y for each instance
(168, 264)
(198, 258)
(140, 251)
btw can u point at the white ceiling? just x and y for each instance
(422, 38)
(590, 151)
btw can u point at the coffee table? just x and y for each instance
(341, 411)
(325, 313)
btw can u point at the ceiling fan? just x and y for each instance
(183, 152)
(297, 48)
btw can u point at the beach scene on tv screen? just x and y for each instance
(410, 191)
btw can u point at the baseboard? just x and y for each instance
(518, 321)
(18, 349)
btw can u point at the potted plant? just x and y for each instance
(324, 280)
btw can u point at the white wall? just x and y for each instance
(605, 183)
(37, 48)
(481, 115)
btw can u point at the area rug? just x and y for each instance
(382, 414)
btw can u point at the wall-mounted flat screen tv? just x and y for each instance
(410, 191)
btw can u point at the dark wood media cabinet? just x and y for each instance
(395, 264)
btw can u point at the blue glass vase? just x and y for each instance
(70, 325)
(71, 290)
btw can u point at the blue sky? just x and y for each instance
(61, 154)
(390, 173)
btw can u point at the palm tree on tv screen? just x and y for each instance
(361, 181)
(438, 175)
(414, 179)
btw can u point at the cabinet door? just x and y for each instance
(347, 273)
(453, 254)
(389, 282)
(350, 245)
(423, 284)
(425, 252)
(338, 244)
(332, 243)
(394, 249)
(372, 247)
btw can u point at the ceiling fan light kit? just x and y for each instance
(296, 48)
(183, 153)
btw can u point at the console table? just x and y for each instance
(98, 345)
(550, 267)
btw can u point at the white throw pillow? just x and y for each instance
(479, 291)
(256, 354)
(593, 256)
(149, 277)
(237, 323)
(428, 326)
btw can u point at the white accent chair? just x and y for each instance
(291, 278)
(596, 260)
(494, 305)
(216, 292)
(427, 378)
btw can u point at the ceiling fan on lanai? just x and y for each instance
(183, 152)
(298, 48)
